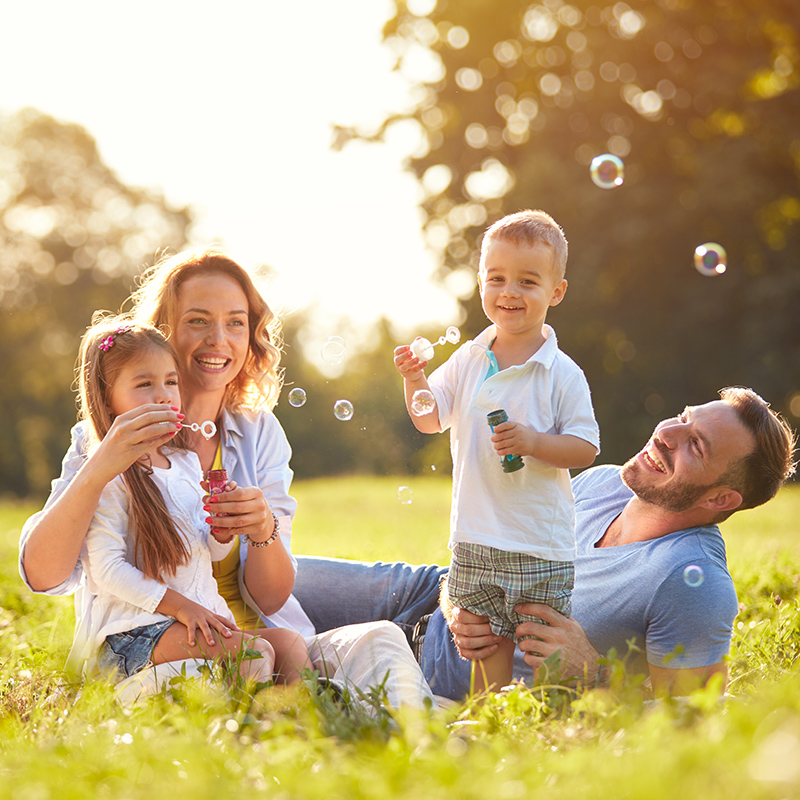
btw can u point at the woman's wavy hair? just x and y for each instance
(259, 381)
(159, 547)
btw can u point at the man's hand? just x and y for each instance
(578, 657)
(472, 634)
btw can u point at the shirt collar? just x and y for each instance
(231, 424)
(545, 355)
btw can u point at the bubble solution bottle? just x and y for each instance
(510, 463)
(217, 479)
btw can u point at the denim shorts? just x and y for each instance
(124, 654)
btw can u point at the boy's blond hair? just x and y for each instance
(529, 228)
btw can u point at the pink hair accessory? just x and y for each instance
(108, 342)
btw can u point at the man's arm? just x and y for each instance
(684, 681)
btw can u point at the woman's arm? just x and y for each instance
(51, 542)
(258, 453)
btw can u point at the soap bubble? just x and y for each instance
(333, 350)
(607, 171)
(422, 349)
(297, 397)
(343, 410)
(422, 402)
(710, 259)
(693, 576)
(405, 495)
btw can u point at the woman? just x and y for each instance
(228, 347)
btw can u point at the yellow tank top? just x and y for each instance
(226, 573)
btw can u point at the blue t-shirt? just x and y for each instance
(633, 592)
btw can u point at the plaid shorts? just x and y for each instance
(490, 582)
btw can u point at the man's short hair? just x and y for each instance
(758, 475)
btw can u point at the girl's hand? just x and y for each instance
(238, 510)
(408, 365)
(133, 434)
(195, 617)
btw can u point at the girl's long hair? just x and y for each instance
(159, 547)
(259, 382)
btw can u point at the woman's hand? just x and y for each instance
(238, 510)
(133, 434)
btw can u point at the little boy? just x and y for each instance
(512, 533)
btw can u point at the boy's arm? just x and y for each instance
(411, 368)
(564, 451)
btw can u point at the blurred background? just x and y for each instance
(351, 154)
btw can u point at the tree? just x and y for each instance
(700, 100)
(379, 439)
(73, 239)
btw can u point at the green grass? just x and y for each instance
(203, 742)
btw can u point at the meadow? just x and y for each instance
(200, 740)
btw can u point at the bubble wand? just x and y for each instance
(207, 429)
(423, 349)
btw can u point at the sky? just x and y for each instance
(229, 108)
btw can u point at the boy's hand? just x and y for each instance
(513, 438)
(408, 365)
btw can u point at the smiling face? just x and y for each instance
(518, 284)
(151, 378)
(212, 332)
(688, 456)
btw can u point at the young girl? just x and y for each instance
(147, 555)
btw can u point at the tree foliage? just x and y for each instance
(73, 236)
(700, 99)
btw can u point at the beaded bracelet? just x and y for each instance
(272, 537)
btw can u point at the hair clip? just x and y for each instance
(108, 342)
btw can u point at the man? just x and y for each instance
(650, 568)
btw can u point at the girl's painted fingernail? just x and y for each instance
(178, 426)
(213, 499)
(209, 520)
(174, 408)
(181, 416)
(206, 508)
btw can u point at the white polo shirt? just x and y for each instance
(531, 510)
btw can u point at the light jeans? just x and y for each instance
(336, 592)
(362, 656)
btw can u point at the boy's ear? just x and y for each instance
(559, 292)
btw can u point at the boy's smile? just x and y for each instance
(518, 284)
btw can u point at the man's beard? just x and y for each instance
(678, 497)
